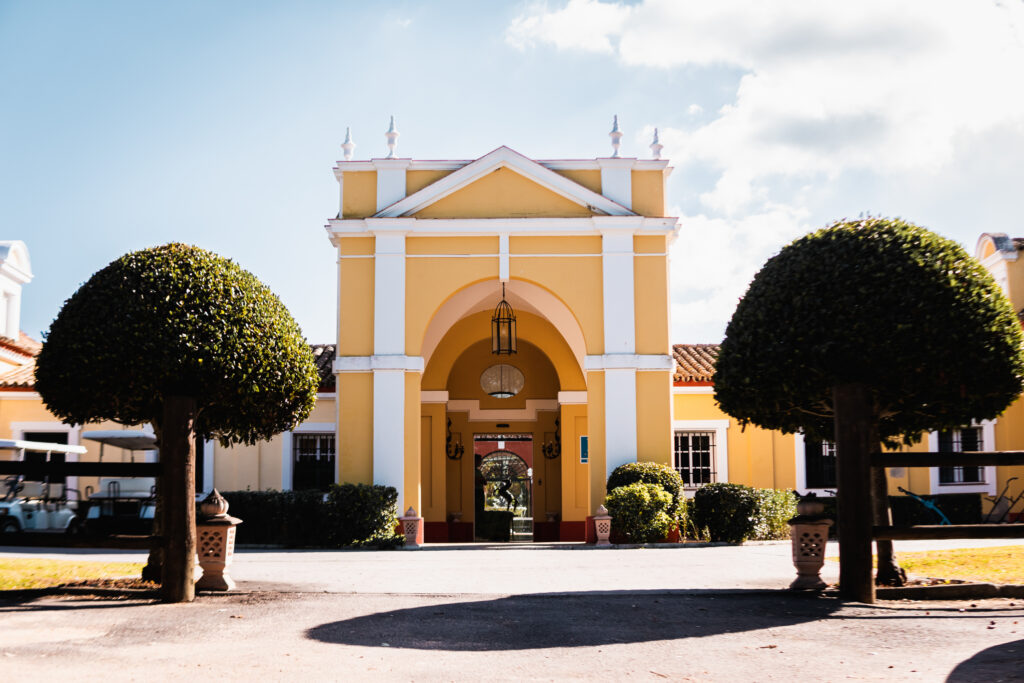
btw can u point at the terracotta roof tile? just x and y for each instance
(19, 377)
(323, 355)
(694, 362)
(24, 344)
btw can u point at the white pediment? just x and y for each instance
(504, 157)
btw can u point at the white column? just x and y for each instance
(390, 180)
(389, 429)
(503, 265)
(619, 316)
(287, 461)
(619, 417)
(389, 295)
(619, 348)
(389, 373)
(617, 180)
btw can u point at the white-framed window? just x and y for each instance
(815, 465)
(963, 478)
(309, 457)
(700, 451)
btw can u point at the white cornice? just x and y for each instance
(553, 164)
(628, 361)
(378, 363)
(504, 157)
(454, 227)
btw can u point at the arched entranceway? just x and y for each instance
(487, 402)
(503, 505)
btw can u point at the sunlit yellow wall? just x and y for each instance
(649, 193)
(533, 244)
(433, 464)
(588, 179)
(576, 478)
(757, 457)
(596, 469)
(651, 304)
(577, 282)
(412, 443)
(654, 417)
(503, 193)
(429, 282)
(417, 180)
(355, 427)
(355, 297)
(360, 194)
(470, 244)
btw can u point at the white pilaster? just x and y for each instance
(619, 317)
(503, 257)
(617, 180)
(209, 449)
(288, 461)
(619, 417)
(389, 295)
(389, 429)
(390, 180)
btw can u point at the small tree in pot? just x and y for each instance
(897, 317)
(193, 344)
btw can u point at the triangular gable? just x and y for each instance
(504, 157)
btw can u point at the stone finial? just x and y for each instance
(656, 146)
(411, 512)
(214, 505)
(392, 138)
(348, 146)
(616, 136)
(601, 511)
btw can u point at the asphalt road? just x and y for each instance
(316, 616)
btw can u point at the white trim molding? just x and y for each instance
(721, 430)
(478, 414)
(503, 157)
(629, 361)
(433, 397)
(988, 443)
(572, 398)
(617, 179)
(390, 180)
(694, 390)
(373, 363)
(800, 462)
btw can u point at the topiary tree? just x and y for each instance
(650, 473)
(193, 344)
(881, 310)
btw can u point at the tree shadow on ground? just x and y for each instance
(522, 622)
(998, 663)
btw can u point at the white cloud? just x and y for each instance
(580, 25)
(833, 97)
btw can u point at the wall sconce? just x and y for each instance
(453, 447)
(553, 447)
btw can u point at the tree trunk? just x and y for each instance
(889, 572)
(153, 571)
(854, 427)
(179, 458)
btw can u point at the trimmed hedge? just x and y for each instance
(641, 512)
(734, 513)
(651, 473)
(348, 515)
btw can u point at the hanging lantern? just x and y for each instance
(503, 327)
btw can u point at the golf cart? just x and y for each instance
(120, 505)
(27, 505)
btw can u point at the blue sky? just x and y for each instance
(125, 125)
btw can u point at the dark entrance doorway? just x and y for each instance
(504, 487)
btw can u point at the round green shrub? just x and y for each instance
(725, 511)
(178, 320)
(651, 473)
(640, 512)
(875, 301)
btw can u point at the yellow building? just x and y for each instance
(414, 396)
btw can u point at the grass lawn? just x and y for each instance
(1000, 564)
(32, 573)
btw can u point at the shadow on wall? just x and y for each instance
(522, 622)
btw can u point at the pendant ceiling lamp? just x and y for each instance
(503, 327)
